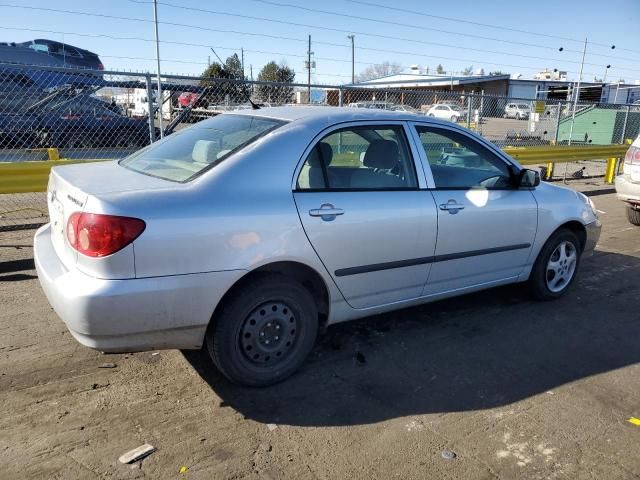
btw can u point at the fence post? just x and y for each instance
(469, 112)
(624, 126)
(559, 117)
(152, 127)
(340, 97)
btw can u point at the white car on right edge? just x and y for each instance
(628, 184)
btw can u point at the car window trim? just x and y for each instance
(413, 153)
(491, 149)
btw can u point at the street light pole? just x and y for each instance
(159, 93)
(577, 94)
(353, 58)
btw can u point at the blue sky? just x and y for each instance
(422, 40)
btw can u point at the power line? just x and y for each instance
(406, 25)
(289, 38)
(416, 55)
(376, 35)
(472, 22)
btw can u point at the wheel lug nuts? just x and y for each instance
(277, 337)
(277, 327)
(262, 334)
(268, 324)
(267, 342)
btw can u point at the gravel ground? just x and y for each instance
(514, 388)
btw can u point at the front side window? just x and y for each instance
(458, 161)
(360, 158)
(187, 153)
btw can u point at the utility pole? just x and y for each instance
(159, 92)
(309, 52)
(242, 61)
(353, 58)
(251, 76)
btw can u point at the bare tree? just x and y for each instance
(379, 70)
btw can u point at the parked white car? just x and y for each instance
(628, 184)
(242, 234)
(446, 111)
(519, 111)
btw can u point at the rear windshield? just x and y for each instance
(185, 154)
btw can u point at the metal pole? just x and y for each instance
(152, 129)
(309, 72)
(340, 97)
(242, 61)
(615, 99)
(624, 127)
(577, 93)
(159, 93)
(558, 121)
(353, 58)
(469, 111)
(575, 104)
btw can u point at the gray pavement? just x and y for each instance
(515, 388)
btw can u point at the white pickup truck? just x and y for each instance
(628, 184)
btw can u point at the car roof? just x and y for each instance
(328, 115)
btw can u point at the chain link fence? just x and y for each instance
(60, 113)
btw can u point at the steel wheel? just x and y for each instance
(561, 267)
(269, 333)
(263, 330)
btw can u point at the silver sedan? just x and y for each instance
(249, 231)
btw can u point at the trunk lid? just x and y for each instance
(71, 186)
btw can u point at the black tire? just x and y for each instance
(270, 308)
(633, 215)
(538, 283)
(454, 118)
(518, 116)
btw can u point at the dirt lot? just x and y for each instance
(517, 389)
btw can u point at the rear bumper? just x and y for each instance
(626, 190)
(593, 235)
(134, 314)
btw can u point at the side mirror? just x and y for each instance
(529, 178)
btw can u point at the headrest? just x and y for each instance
(321, 152)
(381, 154)
(205, 151)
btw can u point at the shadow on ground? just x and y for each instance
(474, 352)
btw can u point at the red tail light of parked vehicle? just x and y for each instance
(632, 156)
(97, 235)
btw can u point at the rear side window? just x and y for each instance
(185, 154)
(360, 158)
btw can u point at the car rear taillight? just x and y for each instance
(97, 235)
(632, 156)
(100, 66)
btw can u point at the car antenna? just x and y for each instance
(254, 106)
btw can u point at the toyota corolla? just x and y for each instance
(248, 232)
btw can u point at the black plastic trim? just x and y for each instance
(376, 267)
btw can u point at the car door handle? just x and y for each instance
(451, 206)
(327, 212)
